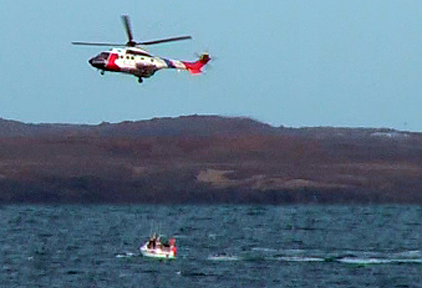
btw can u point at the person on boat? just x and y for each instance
(173, 247)
(152, 241)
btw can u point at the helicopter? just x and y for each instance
(129, 58)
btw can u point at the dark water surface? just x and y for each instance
(218, 246)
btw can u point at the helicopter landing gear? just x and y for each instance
(140, 80)
(102, 72)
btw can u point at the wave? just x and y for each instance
(362, 258)
(409, 254)
(224, 257)
(376, 258)
(300, 259)
(263, 249)
(371, 261)
(125, 255)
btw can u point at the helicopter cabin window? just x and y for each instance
(135, 52)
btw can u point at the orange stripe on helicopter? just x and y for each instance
(111, 62)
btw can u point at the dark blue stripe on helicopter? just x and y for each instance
(169, 63)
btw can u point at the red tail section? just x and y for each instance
(196, 67)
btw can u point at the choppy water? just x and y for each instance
(218, 246)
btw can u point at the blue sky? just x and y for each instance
(343, 63)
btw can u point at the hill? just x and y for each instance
(207, 159)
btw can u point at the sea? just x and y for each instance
(218, 246)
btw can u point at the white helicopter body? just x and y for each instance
(130, 59)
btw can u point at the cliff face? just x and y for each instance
(207, 159)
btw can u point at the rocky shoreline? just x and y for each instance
(207, 160)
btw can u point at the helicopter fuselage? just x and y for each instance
(133, 60)
(140, 63)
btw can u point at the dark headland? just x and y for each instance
(207, 160)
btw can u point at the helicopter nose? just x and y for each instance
(97, 62)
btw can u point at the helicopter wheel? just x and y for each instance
(102, 72)
(140, 80)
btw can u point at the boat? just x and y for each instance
(155, 248)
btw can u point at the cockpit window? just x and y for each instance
(104, 55)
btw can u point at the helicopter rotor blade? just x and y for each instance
(98, 44)
(131, 42)
(165, 40)
(126, 22)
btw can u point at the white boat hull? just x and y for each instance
(157, 252)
